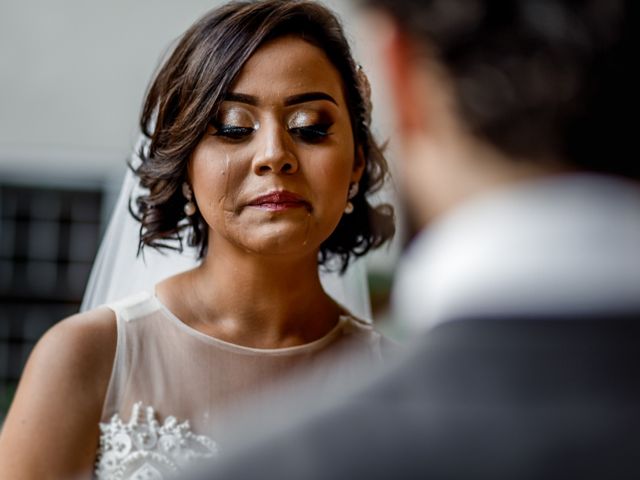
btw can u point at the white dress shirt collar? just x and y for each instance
(568, 244)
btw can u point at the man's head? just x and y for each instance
(489, 92)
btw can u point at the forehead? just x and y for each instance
(287, 66)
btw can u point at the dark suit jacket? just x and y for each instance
(479, 398)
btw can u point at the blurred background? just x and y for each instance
(73, 74)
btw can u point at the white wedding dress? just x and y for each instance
(171, 386)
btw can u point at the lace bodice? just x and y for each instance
(145, 449)
(171, 386)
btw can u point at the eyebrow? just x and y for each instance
(292, 100)
(241, 97)
(309, 97)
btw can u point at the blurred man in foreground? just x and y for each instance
(524, 285)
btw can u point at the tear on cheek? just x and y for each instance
(305, 239)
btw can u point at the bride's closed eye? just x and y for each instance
(310, 126)
(311, 133)
(232, 132)
(233, 123)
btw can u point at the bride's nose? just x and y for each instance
(274, 153)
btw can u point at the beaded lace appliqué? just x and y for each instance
(143, 449)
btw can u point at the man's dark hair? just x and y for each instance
(537, 79)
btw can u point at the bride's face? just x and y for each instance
(271, 174)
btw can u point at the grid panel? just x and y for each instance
(48, 239)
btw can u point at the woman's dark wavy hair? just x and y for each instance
(187, 92)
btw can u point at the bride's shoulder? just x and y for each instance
(81, 347)
(96, 325)
(89, 337)
(63, 384)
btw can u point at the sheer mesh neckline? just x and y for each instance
(296, 349)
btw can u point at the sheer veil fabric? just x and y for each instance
(118, 271)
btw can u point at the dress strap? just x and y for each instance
(134, 306)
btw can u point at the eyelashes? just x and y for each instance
(232, 132)
(309, 133)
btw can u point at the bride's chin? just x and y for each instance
(279, 241)
(289, 246)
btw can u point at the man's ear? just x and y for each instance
(359, 165)
(402, 66)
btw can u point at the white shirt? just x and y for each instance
(568, 244)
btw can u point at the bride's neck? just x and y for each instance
(274, 283)
(257, 301)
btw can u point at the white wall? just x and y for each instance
(73, 75)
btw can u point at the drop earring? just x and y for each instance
(189, 207)
(353, 191)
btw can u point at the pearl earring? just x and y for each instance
(189, 207)
(353, 191)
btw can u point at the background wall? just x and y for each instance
(73, 77)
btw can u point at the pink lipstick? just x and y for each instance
(278, 201)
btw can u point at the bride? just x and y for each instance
(259, 156)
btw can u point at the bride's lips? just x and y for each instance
(281, 200)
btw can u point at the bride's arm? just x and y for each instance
(51, 430)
